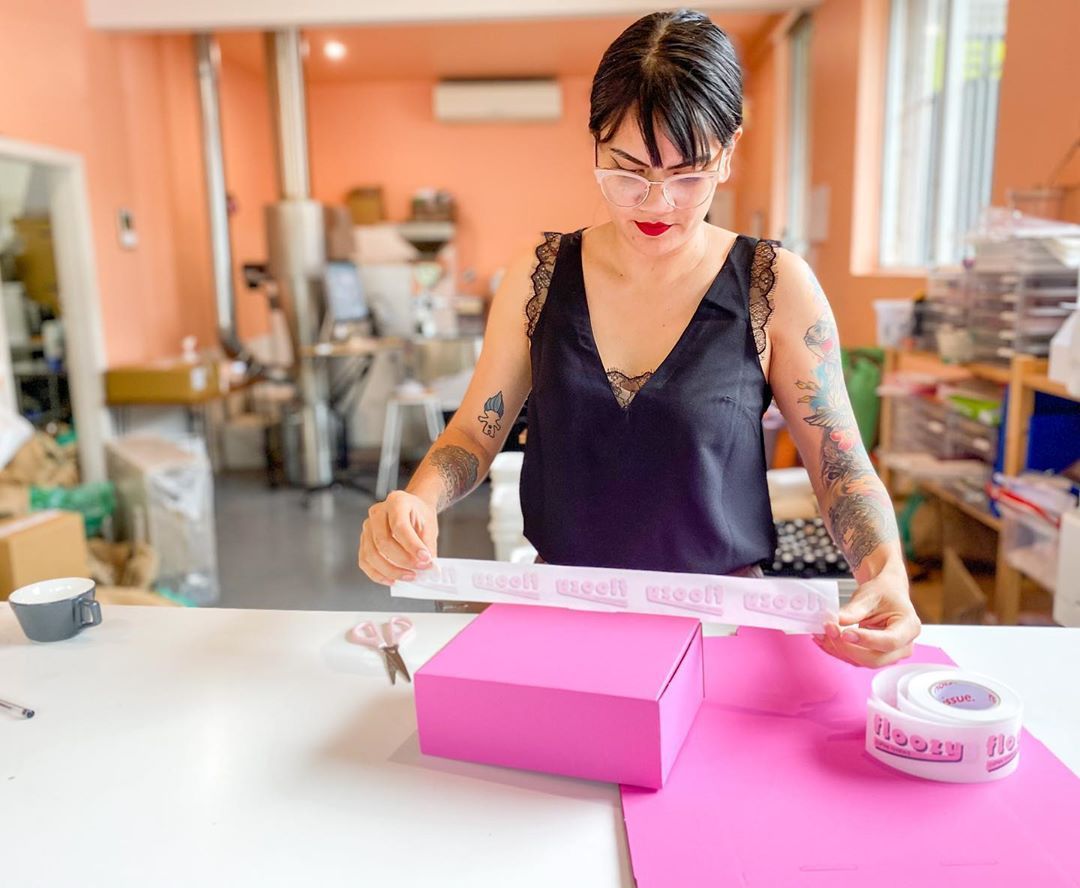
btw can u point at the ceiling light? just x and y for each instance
(334, 50)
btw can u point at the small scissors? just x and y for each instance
(385, 640)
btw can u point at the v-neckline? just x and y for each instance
(657, 377)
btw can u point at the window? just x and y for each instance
(943, 74)
(795, 235)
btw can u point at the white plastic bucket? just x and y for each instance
(895, 321)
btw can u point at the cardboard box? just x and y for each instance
(41, 546)
(599, 696)
(35, 263)
(131, 596)
(165, 496)
(14, 500)
(41, 462)
(169, 381)
(243, 442)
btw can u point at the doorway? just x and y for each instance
(52, 357)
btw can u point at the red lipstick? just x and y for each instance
(652, 229)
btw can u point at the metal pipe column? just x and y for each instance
(207, 61)
(297, 245)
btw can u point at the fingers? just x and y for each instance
(367, 566)
(900, 632)
(377, 566)
(388, 547)
(429, 534)
(860, 607)
(857, 655)
(381, 523)
(373, 564)
(397, 539)
(380, 556)
(405, 535)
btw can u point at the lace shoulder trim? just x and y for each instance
(546, 251)
(762, 283)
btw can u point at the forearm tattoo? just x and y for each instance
(859, 512)
(458, 469)
(491, 418)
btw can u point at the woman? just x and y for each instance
(650, 347)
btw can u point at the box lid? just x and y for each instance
(26, 522)
(617, 654)
(149, 453)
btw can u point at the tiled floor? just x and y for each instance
(274, 553)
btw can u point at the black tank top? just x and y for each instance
(673, 481)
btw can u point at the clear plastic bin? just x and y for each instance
(921, 425)
(1030, 544)
(971, 439)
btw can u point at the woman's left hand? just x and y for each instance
(877, 627)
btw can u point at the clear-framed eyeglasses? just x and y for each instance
(682, 191)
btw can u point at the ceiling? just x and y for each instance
(478, 49)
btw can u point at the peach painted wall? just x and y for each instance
(511, 181)
(834, 62)
(128, 104)
(189, 236)
(752, 167)
(103, 96)
(249, 169)
(1039, 110)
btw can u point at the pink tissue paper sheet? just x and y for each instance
(774, 788)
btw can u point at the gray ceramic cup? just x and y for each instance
(53, 610)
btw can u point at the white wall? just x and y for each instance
(215, 14)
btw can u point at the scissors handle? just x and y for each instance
(386, 639)
(367, 634)
(397, 629)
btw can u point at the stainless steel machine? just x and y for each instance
(295, 234)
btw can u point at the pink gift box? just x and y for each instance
(602, 696)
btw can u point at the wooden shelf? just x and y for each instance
(930, 363)
(980, 515)
(990, 372)
(1030, 578)
(1025, 375)
(1040, 383)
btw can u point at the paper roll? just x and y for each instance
(943, 724)
(797, 606)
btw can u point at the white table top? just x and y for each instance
(227, 747)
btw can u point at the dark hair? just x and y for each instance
(676, 69)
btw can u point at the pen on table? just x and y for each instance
(18, 710)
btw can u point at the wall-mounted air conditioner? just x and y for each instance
(477, 101)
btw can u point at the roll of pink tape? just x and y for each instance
(943, 724)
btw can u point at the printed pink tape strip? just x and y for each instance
(799, 606)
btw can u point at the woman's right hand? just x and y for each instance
(398, 538)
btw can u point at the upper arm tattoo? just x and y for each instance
(459, 469)
(491, 418)
(859, 511)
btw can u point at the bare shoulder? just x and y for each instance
(798, 299)
(530, 255)
(523, 288)
(794, 276)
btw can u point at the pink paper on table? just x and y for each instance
(774, 788)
